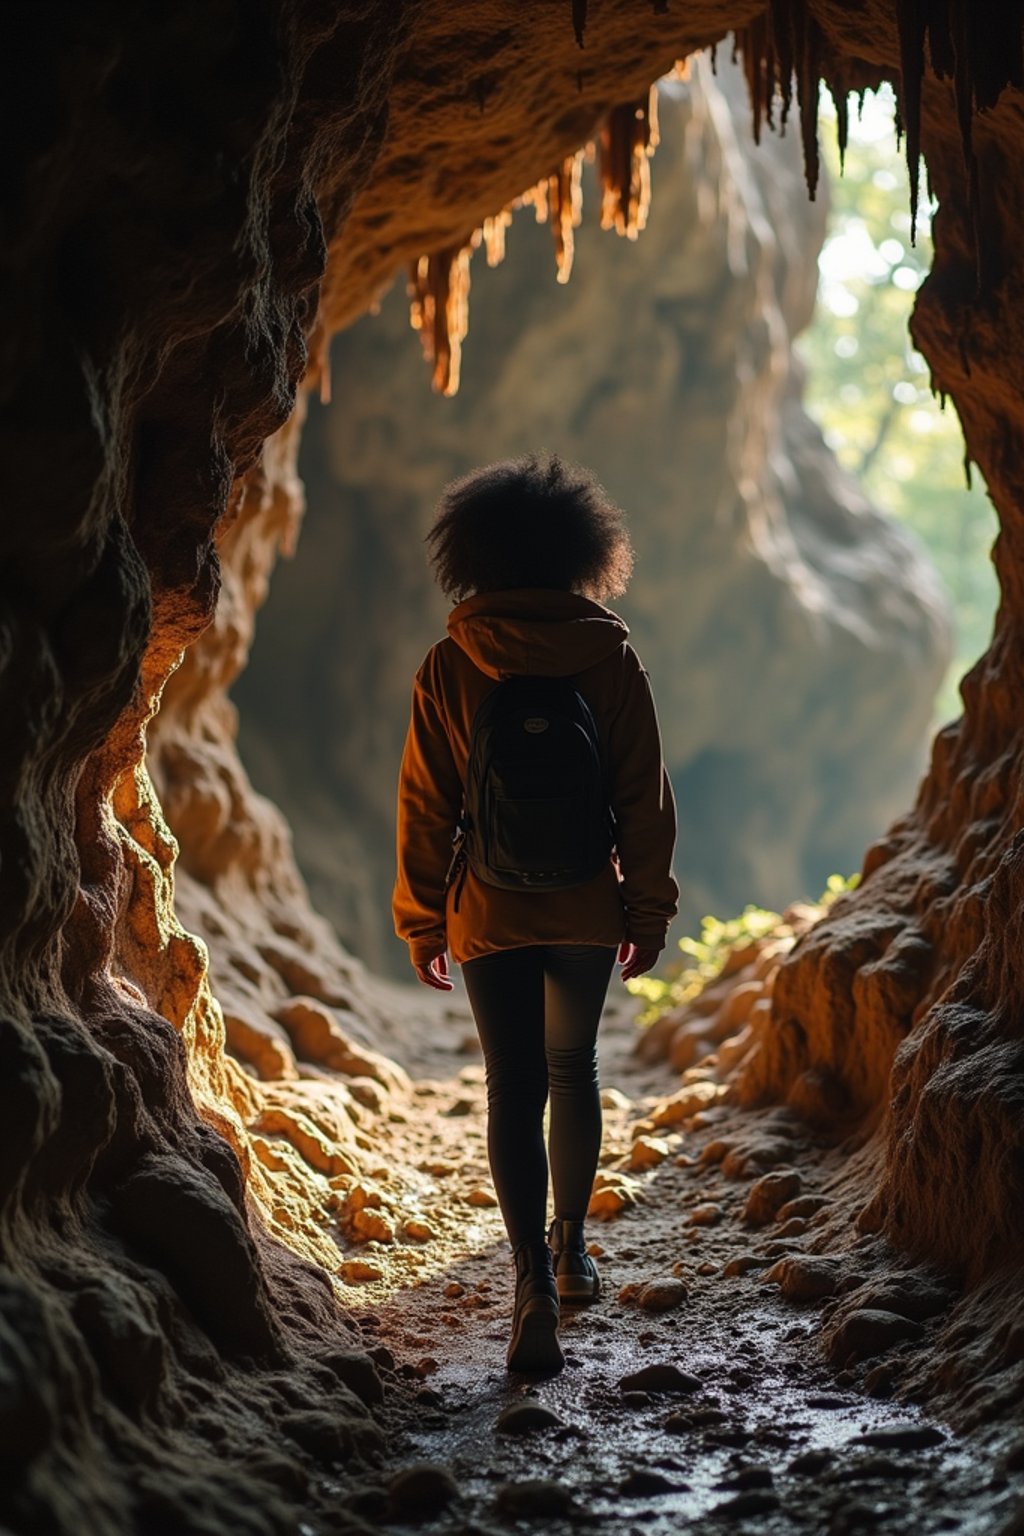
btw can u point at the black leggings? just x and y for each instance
(537, 1010)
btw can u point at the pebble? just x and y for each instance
(662, 1295)
(805, 1279)
(757, 1476)
(453, 1289)
(659, 1378)
(459, 1108)
(612, 1193)
(754, 1501)
(742, 1263)
(421, 1491)
(636, 1399)
(648, 1152)
(810, 1463)
(867, 1332)
(527, 1414)
(356, 1271)
(483, 1198)
(419, 1231)
(708, 1215)
(641, 1483)
(901, 1437)
(768, 1194)
(796, 1226)
(371, 1225)
(688, 1101)
(534, 1499)
(614, 1098)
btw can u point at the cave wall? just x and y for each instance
(176, 180)
(795, 637)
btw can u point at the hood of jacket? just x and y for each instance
(535, 632)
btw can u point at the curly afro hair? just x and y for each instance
(530, 522)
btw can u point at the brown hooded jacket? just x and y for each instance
(535, 633)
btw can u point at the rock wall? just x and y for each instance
(795, 637)
(177, 180)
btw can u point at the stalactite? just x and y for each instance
(628, 138)
(980, 49)
(493, 232)
(579, 20)
(439, 294)
(557, 201)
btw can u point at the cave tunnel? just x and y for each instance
(251, 1277)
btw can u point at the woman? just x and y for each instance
(529, 549)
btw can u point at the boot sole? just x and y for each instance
(534, 1348)
(577, 1290)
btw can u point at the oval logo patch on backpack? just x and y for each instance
(537, 815)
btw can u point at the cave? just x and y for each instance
(211, 1152)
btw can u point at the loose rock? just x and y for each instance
(612, 1194)
(648, 1152)
(707, 1215)
(901, 1437)
(866, 1333)
(642, 1482)
(755, 1501)
(534, 1499)
(421, 1491)
(662, 1295)
(358, 1271)
(805, 1278)
(661, 1377)
(527, 1414)
(768, 1194)
(742, 1263)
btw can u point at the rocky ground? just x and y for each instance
(698, 1392)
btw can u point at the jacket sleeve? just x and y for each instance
(645, 812)
(429, 803)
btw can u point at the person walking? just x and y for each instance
(536, 825)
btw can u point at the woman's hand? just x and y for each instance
(434, 973)
(635, 960)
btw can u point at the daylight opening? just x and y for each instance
(869, 388)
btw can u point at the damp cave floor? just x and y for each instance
(773, 1441)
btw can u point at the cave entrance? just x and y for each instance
(797, 637)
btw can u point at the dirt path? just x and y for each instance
(739, 1419)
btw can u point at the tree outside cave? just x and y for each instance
(872, 398)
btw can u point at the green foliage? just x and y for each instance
(869, 389)
(705, 958)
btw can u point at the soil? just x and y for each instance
(746, 1423)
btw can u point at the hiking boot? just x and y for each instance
(534, 1347)
(576, 1276)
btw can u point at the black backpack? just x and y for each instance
(536, 813)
